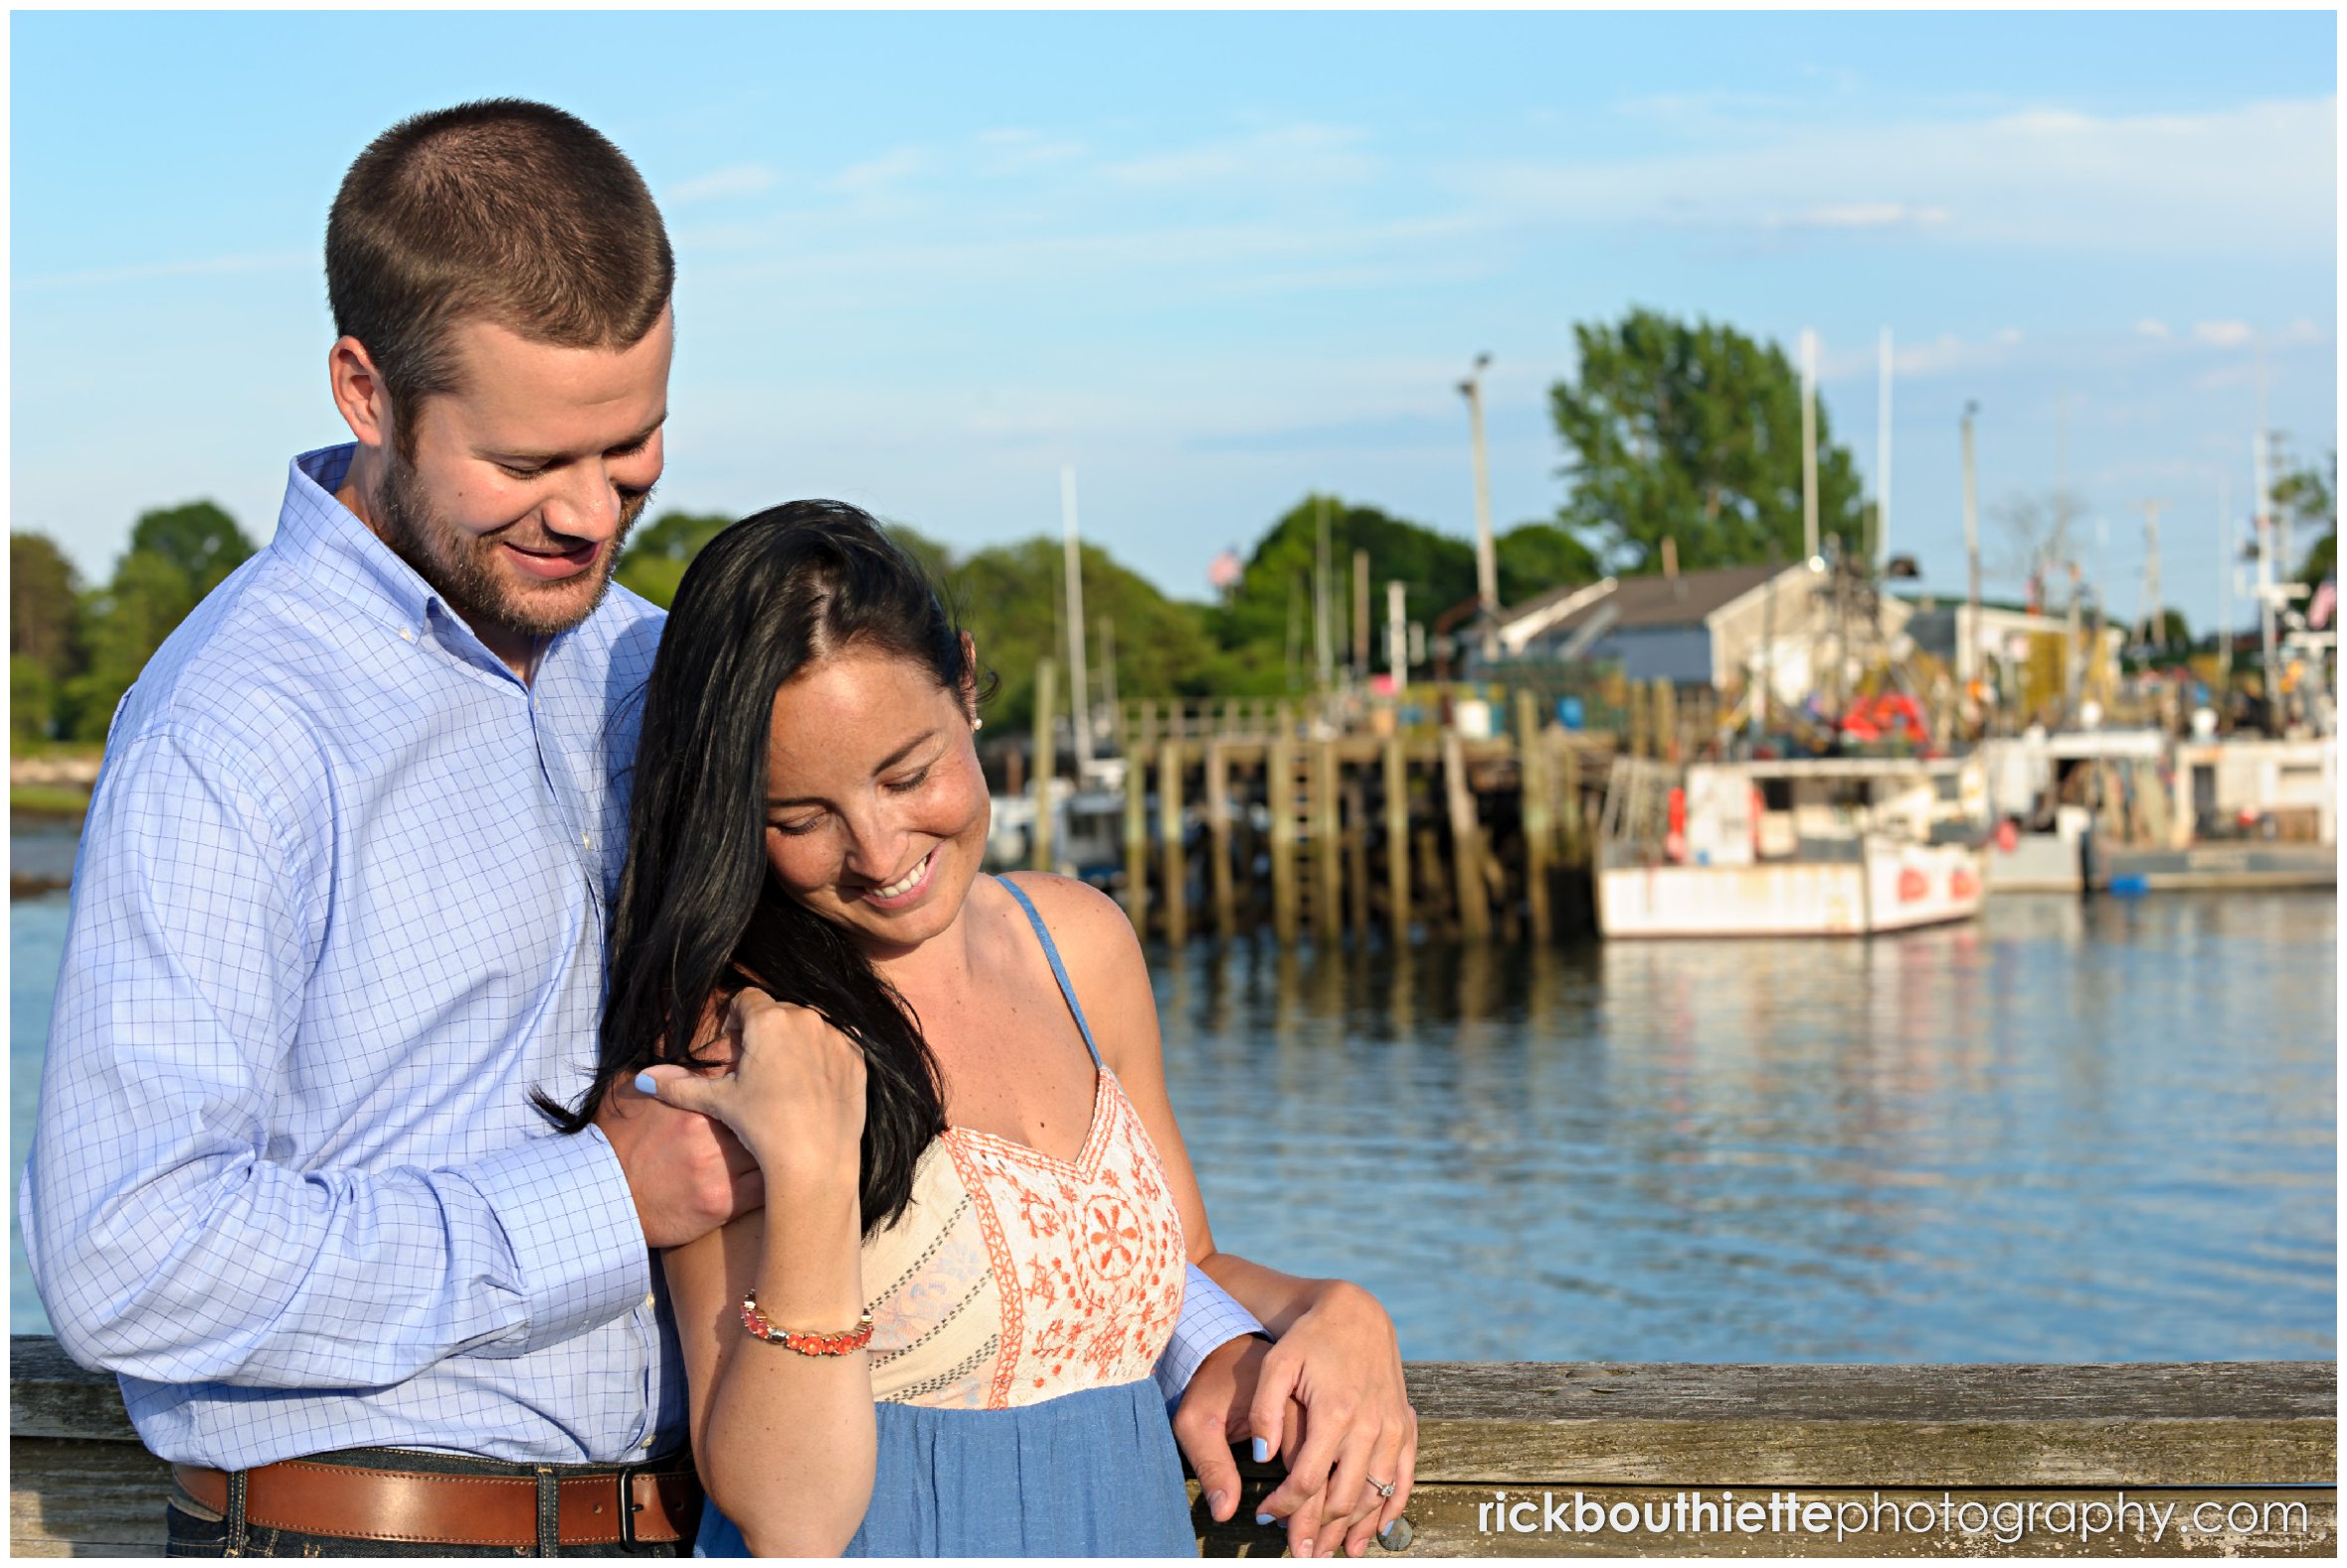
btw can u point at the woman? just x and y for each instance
(935, 1338)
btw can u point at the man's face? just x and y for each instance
(523, 482)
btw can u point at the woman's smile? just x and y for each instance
(907, 888)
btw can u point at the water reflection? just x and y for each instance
(2074, 1132)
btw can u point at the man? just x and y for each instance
(341, 910)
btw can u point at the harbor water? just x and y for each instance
(2073, 1130)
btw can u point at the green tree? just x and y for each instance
(1535, 557)
(199, 538)
(1274, 593)
(659, 551)
(123, 623)
(43, 648)
(1011, 602)
(2310, 497)
(1694, 434)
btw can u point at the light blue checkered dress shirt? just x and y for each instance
(339, 907)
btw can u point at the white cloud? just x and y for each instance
(2009, 336)
(877, 174)
(741, 179)
(1861, 215)
(2223, 334)
(2148, 327)
(2184, 184)
(144, 271)
(1015, 151)
(1321, 156)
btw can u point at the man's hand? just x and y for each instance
(1213, 1415)
(1328, 1398)
(687, 1173)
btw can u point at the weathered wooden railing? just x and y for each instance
(1573, 1459)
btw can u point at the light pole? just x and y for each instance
(1968, 647)
(1487, 569)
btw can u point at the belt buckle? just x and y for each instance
(628, 1506)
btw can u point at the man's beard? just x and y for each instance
(459, 566)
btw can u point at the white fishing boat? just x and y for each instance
(1087, 831)
(1832, 846)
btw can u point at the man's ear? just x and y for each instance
(359, 393)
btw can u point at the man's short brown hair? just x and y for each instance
(502, 210)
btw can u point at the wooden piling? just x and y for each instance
(1137, 841)
(1169, 843)
(1357, 861)
(1046, 687)
(1475, 910)
(1666, 719)
(1280, 797)
(1534, 794)
(1226, 918)
(1397, 842)
(1327, 909)
(1639, 730)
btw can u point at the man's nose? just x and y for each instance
(585, 506)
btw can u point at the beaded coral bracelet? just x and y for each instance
(802, 1340)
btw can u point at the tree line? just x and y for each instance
(1677, 430)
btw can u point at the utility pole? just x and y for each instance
(1968, 646)
(2265, 583)
(1108, 662)
(2224, 569)
(1808, 444)
(1397, 635)
(1324, 656)
(1080, 694)
(1487, 569)
(1360, 617)
(1882, 553)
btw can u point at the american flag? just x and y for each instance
(2326, 600)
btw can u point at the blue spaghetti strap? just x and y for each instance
(1058, 970)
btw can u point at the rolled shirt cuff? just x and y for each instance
(579, 1252)
(1210, 1318)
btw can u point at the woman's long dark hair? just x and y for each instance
(699, 914)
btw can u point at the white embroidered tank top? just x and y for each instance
(1015, 1277)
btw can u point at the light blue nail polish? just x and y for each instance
(647, 1084)
(1265, 1518)
(1262, 1451)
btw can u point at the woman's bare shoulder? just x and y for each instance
(1083, 920)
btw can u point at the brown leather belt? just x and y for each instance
(625, 1505)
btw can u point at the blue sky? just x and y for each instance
(1216, 260)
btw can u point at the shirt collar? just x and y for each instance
(334, 548)
(331, 547)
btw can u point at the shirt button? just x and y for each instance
(649, 1442)
(406, 635)
(649, 1303)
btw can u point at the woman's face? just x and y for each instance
(876, 812)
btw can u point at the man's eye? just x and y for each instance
(521, 472)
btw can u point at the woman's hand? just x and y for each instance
(795, 1096)
(1338, 1360)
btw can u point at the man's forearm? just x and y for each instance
(1210, 1318)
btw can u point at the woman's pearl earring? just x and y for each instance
(978, 724)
